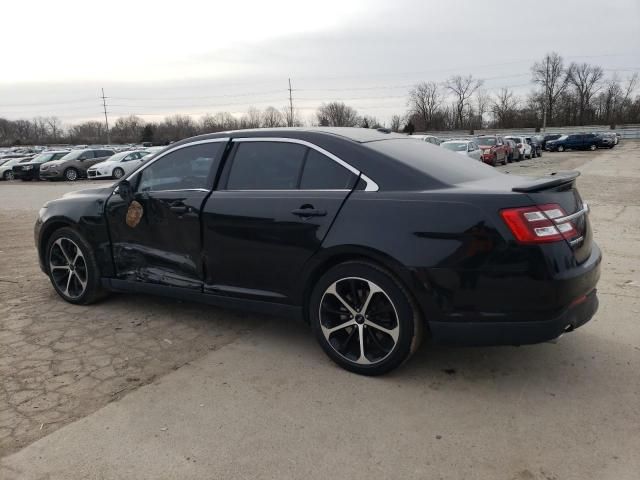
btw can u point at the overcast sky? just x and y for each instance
(155, 58)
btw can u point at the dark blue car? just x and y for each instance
(575, 141)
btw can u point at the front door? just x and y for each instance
(275, 203)
(157, 239)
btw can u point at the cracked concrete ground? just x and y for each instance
(60, 362)
(266, 403)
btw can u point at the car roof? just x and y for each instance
(359, 135)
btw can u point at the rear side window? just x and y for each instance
(184, 169)
(436, 162)
(266, 166)
(322, 173)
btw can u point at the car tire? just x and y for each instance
(592, 148)
(540, 154)
(71, 174)
(560, 148)
(380, 324)
(118, 173)
(8, 175)
(72, 267)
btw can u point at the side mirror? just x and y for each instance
(125, 191)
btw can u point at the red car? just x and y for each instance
(494, 149)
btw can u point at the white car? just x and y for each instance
(6, 168)
(467, 148)
(117, 166)
(523, 147)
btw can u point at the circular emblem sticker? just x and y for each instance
(134, 214)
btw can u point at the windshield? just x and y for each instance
(455, 146)
(72, 156)
(117, 157)
(43, 157)
(563, 137)
(487, 141)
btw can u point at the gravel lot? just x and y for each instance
(551, 411)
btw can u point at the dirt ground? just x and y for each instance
(60, 362)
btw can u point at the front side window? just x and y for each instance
(184, 169)
(322, 173)
(266, 166)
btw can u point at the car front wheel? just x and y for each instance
(118, 173)
(72, 267)
(8, 175)
(592, 147)
(71, 174)
(364, 319)
(561, 148)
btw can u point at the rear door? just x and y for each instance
(275, 203)
(158, 240)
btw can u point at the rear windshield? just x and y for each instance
(486, 141)
(437, 162)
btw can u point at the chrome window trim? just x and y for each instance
(174, 149)
(371, 186)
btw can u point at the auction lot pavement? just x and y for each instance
(143, 387)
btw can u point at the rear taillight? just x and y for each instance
(539, 224)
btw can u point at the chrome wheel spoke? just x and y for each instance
(393, 332)
(68, 268)
(356, 306)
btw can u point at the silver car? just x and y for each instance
(468, 148)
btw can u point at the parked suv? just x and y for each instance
(575, 141)
(31, 169)
(74, 165)
(494, 150)
(524, 149)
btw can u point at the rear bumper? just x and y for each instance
(515, 333)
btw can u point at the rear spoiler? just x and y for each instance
(544, 183)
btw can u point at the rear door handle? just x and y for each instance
(309, 212)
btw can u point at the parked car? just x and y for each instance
(6, 169)
(606, 140)
(524, 149)
(493, 149)
(575, 141)
(117, 165)
(427, 138)
(514, 152)
(549, 136)
(370, 237)
(467, 148)
(74, 165)
(31, 170)
(536, 148)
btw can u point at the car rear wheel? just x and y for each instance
(118, 173)
(71, 174)
(560, 148)
(592, 147)
(8, 175)
(364, 319)
(72, 267)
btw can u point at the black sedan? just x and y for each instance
(31, 170)
(373, 238)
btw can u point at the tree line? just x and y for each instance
(562, 94)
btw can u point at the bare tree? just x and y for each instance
(396, 122)
(585, 79)
(425, 99)
(483, 101)
(271, 118)
(252, 119)
(462, 88)
(55, 127)
(504, 107)
(337, 114)
(551, 76)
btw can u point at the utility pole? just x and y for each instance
(290, 119)
(106, 119)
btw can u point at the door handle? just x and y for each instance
(309, 212)
(179, 208)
